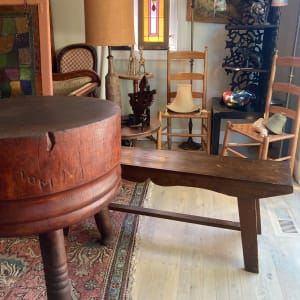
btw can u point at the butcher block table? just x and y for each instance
(60, 163)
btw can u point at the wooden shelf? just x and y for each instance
(250, 27)
(244, 69)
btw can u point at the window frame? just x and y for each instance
(164, 45)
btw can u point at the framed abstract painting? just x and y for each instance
(25, 48)
(211, 11)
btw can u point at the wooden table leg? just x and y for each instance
(104, 226)
(55, 265)
(248, 223)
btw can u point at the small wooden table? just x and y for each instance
(133, 133)
(55, 171)
(135, 78)
(220, 112)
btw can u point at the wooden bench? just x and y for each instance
(247, 179)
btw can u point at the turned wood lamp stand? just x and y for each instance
(55, 171)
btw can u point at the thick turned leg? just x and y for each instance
(55, 265)
(66, 231)
(248, 222)
(104, 226)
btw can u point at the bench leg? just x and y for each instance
(248, 222)
(258, 221)
(55, 265)
(104, 225)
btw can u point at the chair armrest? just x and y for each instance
(75, 83)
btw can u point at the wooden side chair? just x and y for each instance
(187, 67)
(291, 111)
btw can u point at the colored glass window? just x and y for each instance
(153, 24)
(16, 51)
(153, 21)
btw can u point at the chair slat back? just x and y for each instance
(292, 91)
(194, 73)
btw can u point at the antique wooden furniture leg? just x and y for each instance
(258, 221)
(104, 226)
(246, 179)
(55, 265)
(248, 224)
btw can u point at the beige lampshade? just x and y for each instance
(276, 123)
(279, 3)
(109, 22)
(183, 102)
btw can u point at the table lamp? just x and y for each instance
(109, 23)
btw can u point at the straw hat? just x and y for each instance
(276, 123)
(183, 102)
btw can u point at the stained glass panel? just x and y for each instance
(16, 55)
(153, 21)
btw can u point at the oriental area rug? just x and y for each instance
(95, 271)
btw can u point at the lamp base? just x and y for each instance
(190, 145)
(112, 84)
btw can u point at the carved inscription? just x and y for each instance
(33, 180)
(47, 183)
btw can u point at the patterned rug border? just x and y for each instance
(118, 280)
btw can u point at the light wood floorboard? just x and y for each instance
(180, 261)
(175, 260)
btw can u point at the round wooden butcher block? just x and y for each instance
(59, 161)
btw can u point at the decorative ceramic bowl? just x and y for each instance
(237, 98)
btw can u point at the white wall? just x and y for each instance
(68, 22)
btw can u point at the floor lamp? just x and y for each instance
(110, 23)
(190, 144)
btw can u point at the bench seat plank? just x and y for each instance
(227, 175)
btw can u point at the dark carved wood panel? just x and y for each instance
(251, 40)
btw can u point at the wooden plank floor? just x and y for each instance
(175, 260)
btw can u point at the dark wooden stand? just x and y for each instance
(55, 171)
(133, 133)
(135, 79)
(248, 180)
(250, 45)
(220, 111)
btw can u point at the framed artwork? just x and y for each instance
(25, 48)
(211, 11)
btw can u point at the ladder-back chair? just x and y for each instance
(290, 110)
(186, 67)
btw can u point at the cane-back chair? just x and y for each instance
(291, 110)
(76, 66)
(76, 57)
(186, 67)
